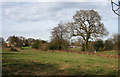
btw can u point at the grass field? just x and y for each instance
(26, 47)
(35, 62)
(109, 52)
(76, 49)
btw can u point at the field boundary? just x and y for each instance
(89, 53)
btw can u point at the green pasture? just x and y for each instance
(76, 49)
(35, 62)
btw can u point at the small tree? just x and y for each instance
(98, 45)
(15, 41)
(116, 41)
(58, 44)
(26, 43)
(58, 40)
(108, 44)
(31, 41)
(113, 42)
(36, 44)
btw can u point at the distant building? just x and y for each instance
(71, 46)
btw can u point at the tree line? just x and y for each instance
(14, 42)
(87, 26)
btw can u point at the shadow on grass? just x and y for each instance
(114, 73)
(8, 53)
(25, 67)
(22, 67)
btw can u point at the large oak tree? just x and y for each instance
(87, 24)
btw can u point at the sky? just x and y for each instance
(36, 19)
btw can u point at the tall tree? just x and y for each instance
(59, 31)
(58, 40)
(87, 24)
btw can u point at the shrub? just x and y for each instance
(13, 49)
(58, 44)
(83, 47)
(90, 47)
(98, 46)
(36, 44)
(108, 45)
(52, 47)
(43, 48)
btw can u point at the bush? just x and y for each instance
(108, 45)
(94, 46)
(43, 48)
(52, 47)
(36, 44)
(90, 47)
(13, 49)
(98, 46)
(83, 47)
(58, 44)
(112, 43)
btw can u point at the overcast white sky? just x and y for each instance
(36, 19)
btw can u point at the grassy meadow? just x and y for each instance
(36, 62)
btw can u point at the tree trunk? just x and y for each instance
(86, 44)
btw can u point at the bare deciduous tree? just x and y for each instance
(58, 37)
(87, 24)
(59, 31)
